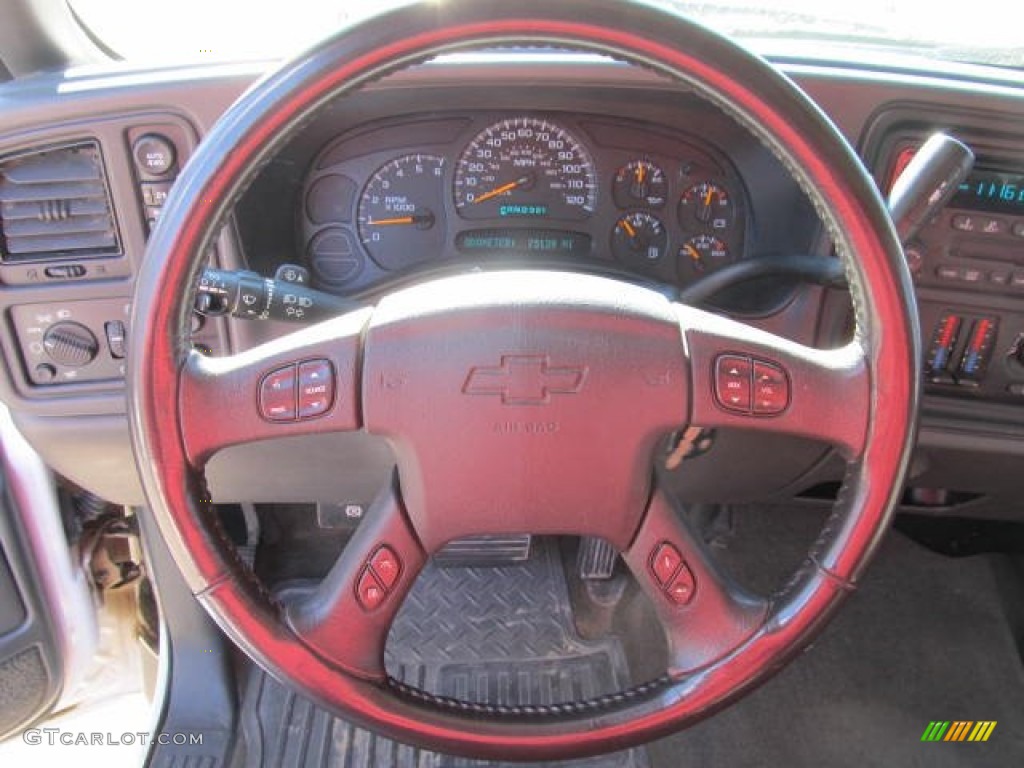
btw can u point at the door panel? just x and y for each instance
(47, 621)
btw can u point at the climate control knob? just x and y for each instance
(70, 344)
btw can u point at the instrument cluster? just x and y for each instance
(519, 189)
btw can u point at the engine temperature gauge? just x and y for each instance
(639, 238)
(640, 182)
(706, 204)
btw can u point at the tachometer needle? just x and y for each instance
(423, 220)
(501, 190)
(709, 196)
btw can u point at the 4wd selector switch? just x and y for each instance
(70, 344)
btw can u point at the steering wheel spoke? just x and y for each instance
(347, 618)
(301, 383)
(748, 378)
(704, 612)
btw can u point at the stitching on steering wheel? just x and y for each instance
(607, 701)
(236, 565)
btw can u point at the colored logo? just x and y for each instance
(524, 380)
(958, 730)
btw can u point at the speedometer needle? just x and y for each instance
(501, 190)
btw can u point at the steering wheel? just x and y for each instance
(526, 401)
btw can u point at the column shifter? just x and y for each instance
(928, 182)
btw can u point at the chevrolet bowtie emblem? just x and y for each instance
(525, 380)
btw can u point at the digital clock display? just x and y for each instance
(992, 191)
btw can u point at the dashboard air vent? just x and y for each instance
(55, 204)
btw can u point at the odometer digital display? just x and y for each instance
(525, 168)
(524, 241)
(992, 191)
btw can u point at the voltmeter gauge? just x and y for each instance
(639, 238)
(706, 205)
(640, 182)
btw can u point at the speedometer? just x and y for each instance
(525, 168)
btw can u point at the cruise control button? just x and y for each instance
(277, 394)
(681, 590)
(369, 591)
(732, 382)
(316, 388)
(386, 566)
(771, 388)
(664, 561)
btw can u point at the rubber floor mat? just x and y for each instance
(502, 635)
(925, 638)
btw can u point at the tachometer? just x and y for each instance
(525, 168)
(401, 211)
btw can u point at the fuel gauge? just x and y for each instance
(639, 238)
(706, 204)
(640, 182)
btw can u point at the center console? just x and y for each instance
(968, 263)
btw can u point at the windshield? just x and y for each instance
(190, 30)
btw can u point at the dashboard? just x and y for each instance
(508, 160)
(967, 262)
(487, 188)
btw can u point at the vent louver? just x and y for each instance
(54, 204)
